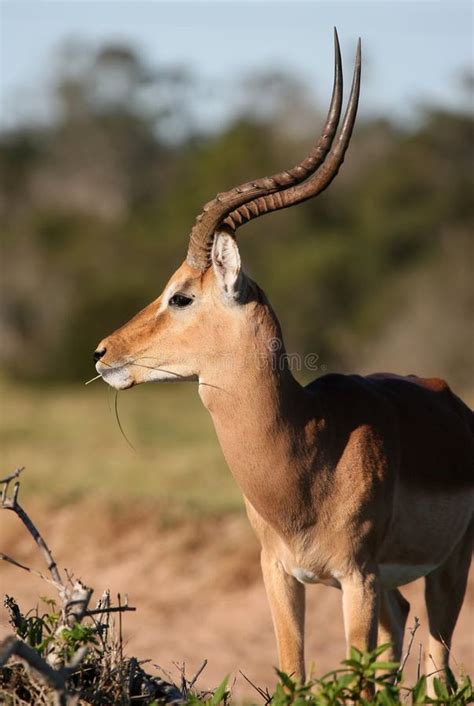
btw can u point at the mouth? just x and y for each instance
(120, 377)
(117, 377)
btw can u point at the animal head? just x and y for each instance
(210, 311)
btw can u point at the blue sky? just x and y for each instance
(413, 51)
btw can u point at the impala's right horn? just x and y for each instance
(311, 176)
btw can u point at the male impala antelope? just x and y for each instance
(361, 483)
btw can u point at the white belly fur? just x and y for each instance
(305, 576)
(391, 575)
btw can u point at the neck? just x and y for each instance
(258, 411)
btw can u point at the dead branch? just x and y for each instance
(77, 603)
(410, 644)
(11, 503)
(5, 481)
(16, 563)
(264, 693)
(106, 611)
(55, 678)
(51, 667)
(197, 675)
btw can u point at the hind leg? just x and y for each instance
(393, 615)
(444, 594)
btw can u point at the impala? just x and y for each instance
(361, 483)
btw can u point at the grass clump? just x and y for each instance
(365, 679)
(89, 654)
(105, 676)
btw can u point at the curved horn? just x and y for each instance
(316, 182)
(263, 195)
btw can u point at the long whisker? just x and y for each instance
(120, 424)
(160, 370)
(109, 394)
(164, 370)
(171, 372)
(216, 387)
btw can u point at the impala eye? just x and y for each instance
(180, 300)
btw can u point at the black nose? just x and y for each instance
(99, 353)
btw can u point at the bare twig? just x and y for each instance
(11, 503)
(182, 672)
(13, 646)
(119, 599)
(9, 478)
(108, 667)
(410, 644)
(102, 625)
(76, 606)
(418, 667)
(121, 664)
(436, 669)
(197, 675)
(106, 611)
(263, 693)
(10, 560)
(452, 658)
(55, 678)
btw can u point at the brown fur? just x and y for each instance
(342, 479)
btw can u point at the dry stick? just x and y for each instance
(102, 604)
(75, 603)
(418, 669)
(451, 656)
(407, 653)
(106, 611)
(163, 670)
(197, 675)
(56, 678)
(120, 629)
(10, 560)
(264, 694)
(13, 505)
(5, 481)
(436, 669)
(122, 695)
(182, 671)
(14, 646)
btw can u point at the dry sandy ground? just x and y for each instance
(197, 590)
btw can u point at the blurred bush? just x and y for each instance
(96, 207)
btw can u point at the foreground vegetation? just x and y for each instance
(106, 676)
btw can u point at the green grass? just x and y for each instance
(70, 442)
(104, 675)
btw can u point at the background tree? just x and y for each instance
(96, 207)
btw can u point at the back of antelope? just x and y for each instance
(361, 483)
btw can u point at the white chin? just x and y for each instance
(117, 378)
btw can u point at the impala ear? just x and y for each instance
(226, 265)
